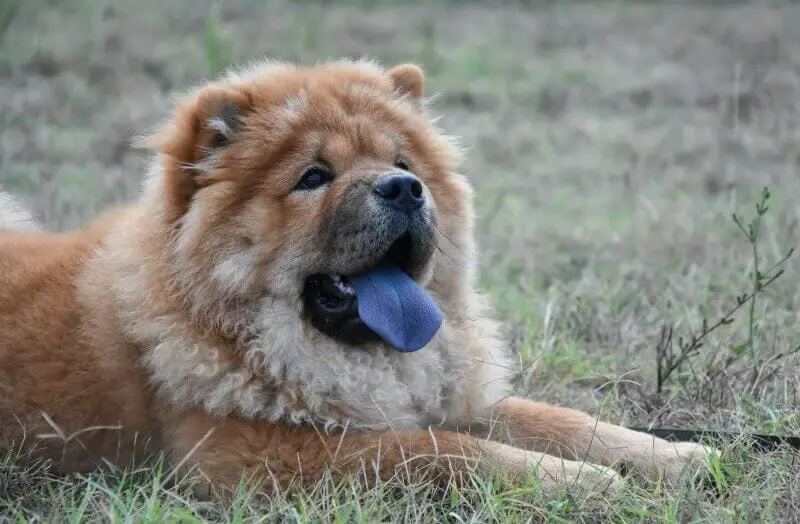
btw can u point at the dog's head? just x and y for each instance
(289, 181)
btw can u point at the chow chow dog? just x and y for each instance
(293, 293)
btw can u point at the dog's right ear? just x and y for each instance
(194, 142)
(409, 80)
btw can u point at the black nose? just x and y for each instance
(401, 190)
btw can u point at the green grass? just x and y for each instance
(140, 497)
(217, 48)
(607, 164)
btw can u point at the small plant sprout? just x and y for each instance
(759, 279)
(670, 358)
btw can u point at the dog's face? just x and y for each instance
(288, 182)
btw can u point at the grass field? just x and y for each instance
(610, 144)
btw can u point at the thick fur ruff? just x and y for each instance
(174, 324)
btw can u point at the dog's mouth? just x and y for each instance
(336, 294)
(381, 302)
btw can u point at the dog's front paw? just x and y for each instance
(687, 460)
(672, 462)
(556, 473)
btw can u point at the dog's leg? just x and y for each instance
(576, 435)
(229, 450)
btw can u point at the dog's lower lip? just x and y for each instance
(332, 304)
(332, 293)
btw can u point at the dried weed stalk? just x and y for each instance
(675, 354)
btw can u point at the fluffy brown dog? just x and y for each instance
(215, 319)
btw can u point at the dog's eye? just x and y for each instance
(402, 163)
(313, 178)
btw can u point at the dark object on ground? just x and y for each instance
(763, 442)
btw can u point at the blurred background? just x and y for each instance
(609, 143)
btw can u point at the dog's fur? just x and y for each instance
(174, 324)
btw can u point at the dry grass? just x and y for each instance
(610, 144)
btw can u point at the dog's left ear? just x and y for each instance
(204, 124)
(202, 128)
(409, 80)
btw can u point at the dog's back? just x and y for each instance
(14, 217)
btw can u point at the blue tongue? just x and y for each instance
(397, 308)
